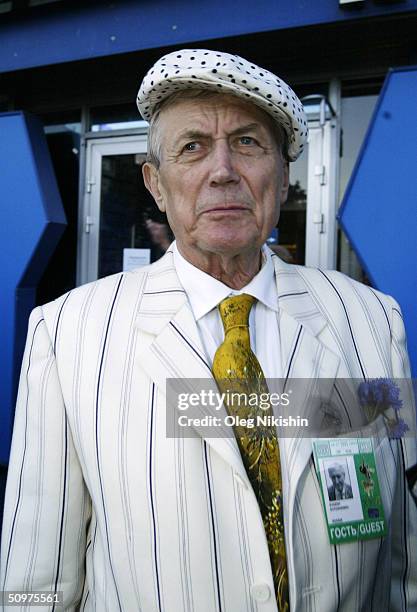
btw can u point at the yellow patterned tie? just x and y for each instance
(238, 374)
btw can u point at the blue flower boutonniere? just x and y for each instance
(377, 396)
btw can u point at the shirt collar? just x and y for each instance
(206, 292)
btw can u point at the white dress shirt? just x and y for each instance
(205, 293)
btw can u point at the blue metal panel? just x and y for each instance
(32, 220)
(59, 34)
(379, 210)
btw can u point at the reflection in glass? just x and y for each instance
(129, 217)
(292, 221)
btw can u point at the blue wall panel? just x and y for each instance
(379, 211)
(57, 34)
(32, 221)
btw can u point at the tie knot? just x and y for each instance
(235, 310)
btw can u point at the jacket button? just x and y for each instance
(260, 592)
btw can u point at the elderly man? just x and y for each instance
(339, 489)
(102, 504)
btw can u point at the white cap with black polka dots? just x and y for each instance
(204, 69)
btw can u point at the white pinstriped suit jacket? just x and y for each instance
(102, 505)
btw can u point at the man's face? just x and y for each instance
(338, 479)
(222, 177)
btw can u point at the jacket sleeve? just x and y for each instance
(404, 519)
(47, 506)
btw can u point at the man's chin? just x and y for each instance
(231, 243)
(231, 248)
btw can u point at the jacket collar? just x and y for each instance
(163, 287)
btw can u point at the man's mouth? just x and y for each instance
(229, 208)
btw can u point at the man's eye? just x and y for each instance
(191, 146)
(247, 140)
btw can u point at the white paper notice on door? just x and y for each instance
(134, 258)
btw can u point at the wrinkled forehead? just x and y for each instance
(202, 113)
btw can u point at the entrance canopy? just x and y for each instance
(57, 32)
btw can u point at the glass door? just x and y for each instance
(323, 178)
(307, 229)
(121, 225)
(291, 231)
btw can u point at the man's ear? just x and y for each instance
(285, 181)
(151, 179)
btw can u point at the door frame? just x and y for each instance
(97, 146)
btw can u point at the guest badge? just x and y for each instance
(350, 489)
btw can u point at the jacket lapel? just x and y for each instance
(171, 352)
(304, 360)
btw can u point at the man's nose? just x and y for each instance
(223, 168)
